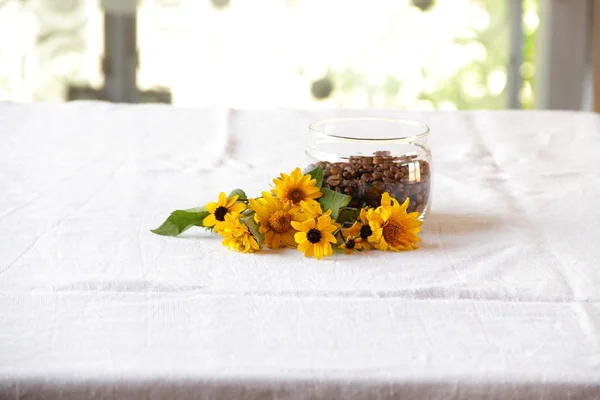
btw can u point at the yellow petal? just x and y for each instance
(309, 251)
(231, 201)
(210, 220)
(237, 208)
(386, 199)
(253, 243)
(300, 237)
(219, 226)
(304, 246)
(307, 225)
(327, 249)
(353, 230)
(299, 226)
(211, 207)
(323, 222)
(276, 241)
(288, 239)
(330, 229)
(296, 173)
(268, 237)
(376, 236)
(384, 213)
(329, 238)
(318, 249)
(222, 199)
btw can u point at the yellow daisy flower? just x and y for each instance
(360, 228)
(219, 210)
(274, 218)
(315, 236)
(394, 229)
(296, 187)
(354, 244)
(237, 236)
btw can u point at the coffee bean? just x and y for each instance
(366, 177)
(347, 174)
(420, 208)
(336, 170)
(377, 176)
(419, 198)
(415, 189)
(379, 186)
(399, 175)
(334, 180)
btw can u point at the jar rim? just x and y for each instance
(313, 128)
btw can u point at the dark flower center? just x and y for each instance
(393, 231)
(220, 213)
(365, 231)
(350, 244)
(280, 221)
(296, 195)
(314, 235)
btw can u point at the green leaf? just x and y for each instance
(195, 210)
(317, 174)
(240, 193)
(253, 228)
(348, 214)
(181, 220)
(332, 200)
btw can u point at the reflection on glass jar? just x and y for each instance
(366, 156)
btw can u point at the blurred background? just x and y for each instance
(417, 54)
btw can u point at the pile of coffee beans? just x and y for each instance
(366, 178)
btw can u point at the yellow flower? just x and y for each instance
(394, 229)
(218, 211)
(354, 244)
(296, 187)
(361, 228)
(315, 236)
(312, 209)
(274, 218)
(237, 236)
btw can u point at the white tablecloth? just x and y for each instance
(501, 301)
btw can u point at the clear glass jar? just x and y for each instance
(367, 156)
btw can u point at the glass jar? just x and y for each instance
(367, 156)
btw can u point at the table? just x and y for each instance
(501, 301)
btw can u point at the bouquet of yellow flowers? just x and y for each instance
(299, 213)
